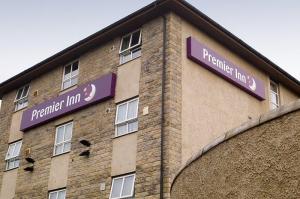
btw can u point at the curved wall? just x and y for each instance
(260, 160)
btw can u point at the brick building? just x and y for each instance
(117, 114)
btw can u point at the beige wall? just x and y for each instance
(124, 154)
(262, 162)
(15, 133)
(9, 184)
(128, 78)
(59, 172)
(210, 104)
(286, 96)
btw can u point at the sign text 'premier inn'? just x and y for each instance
(87, 94)
(224, 68)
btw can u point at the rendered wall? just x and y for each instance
(212, 105)
(262, 162)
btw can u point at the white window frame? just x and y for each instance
(129, 53)
(57, 191)
(71, 77)
(15, 159)
(127, 120)
(123, 179)
(23, 101)
(64, 141)
(276, 94)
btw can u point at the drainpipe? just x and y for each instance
(163, 108)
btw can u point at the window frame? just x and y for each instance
(63, 76)
(64, 141)
(277, 95)
(57, 191)
(24, 99)
(13, 159)
(127, 120)
(122, 186)
(131, 49)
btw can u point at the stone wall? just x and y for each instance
(260, 159)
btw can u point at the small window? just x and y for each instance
(70, 76)
(63, 138)
(126, 117)
(13, 155)
(130, 47)
(274, 95)
(59, 194)
(122, 187)
(21, 100)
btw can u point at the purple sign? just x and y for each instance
(85, 95)
(224, 68)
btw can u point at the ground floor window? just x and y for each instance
(59, 194)
(122, 187)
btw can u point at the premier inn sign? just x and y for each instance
(217, 64)
(90, 93)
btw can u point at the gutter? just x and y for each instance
(162, 122)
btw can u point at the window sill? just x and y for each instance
(115, 137)
(53, 156)
(121, 64)
(63, 91)
(10, 169)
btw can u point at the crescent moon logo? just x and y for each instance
(89, 92)
(253, 85)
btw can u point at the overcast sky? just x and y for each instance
(33, 30)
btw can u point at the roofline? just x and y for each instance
(157, 8)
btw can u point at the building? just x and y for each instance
(117, 114)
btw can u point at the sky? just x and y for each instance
(33, 30)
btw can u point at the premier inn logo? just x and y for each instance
(87, 94)
(217, 64)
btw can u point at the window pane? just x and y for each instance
(67, 69)
(16, 163)
(67, 147)
(136, 53)
(74, 81)
(132, 109)
(116, 190)
(67, 84)
(61, 194)
(19, 93)
(53, 195)
(10, 164)
(121, 129)
(273, 106)
(60, 134)
(17, 149)
(125, 43)
(25, 91)
(75, 66)
(58, 149)
(135, 38)
(273, 87)
(128, 185)
(121, 114)
(10, 151)
(133, 126)
(68, 132)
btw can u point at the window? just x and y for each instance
(59, 194)
(126, 117)
(63, 138)
(130, 47)
(13, 155)
(122, 187)
(274, 95)
(70, 77)
(21, 100)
